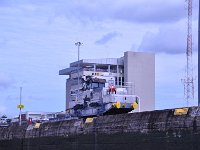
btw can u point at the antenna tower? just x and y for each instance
(189, 80)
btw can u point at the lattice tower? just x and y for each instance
(189, 80)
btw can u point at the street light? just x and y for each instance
(78, 44)
(20, 106)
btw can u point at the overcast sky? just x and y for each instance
(37, 40)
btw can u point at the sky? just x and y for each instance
(37, 40)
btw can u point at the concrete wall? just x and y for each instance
(68, 88)
(139, 131)
(139, 69)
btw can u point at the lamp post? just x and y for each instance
(78, 44)
(20, 106)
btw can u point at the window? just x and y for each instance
(115, 80)
(111, 82)
(98, 85)
(95, 85)
(101, 85)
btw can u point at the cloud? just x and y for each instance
(2, 109)
(164, 41)
(3, 42)
(169, 88)
(169, 39)
(6, 81)
(151, 12)
(143, 11)
(106, 38)
(12, 97)
(5, 3)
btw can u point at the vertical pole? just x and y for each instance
(117, 75)
(139, 108)
(78, 44)
(121, 78)
(199, 58)
(109, 69)
(20, 109)
(94, 69)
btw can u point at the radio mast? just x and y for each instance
(189, 79)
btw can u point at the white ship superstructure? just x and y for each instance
(99, 95)
(89, 81)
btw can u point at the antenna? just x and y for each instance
(189, 79)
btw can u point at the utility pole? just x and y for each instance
(78, 44)
(20, 106)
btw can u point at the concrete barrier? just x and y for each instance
(139, 131)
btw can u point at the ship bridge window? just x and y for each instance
(98, 85)
(111, 82)
(95, 85)
(101, 85)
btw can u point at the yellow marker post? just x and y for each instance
(134, 105)
(123, 105)
(20, 106)
(181, 111)
(37, 125)
(89, 120)
(117, 105)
